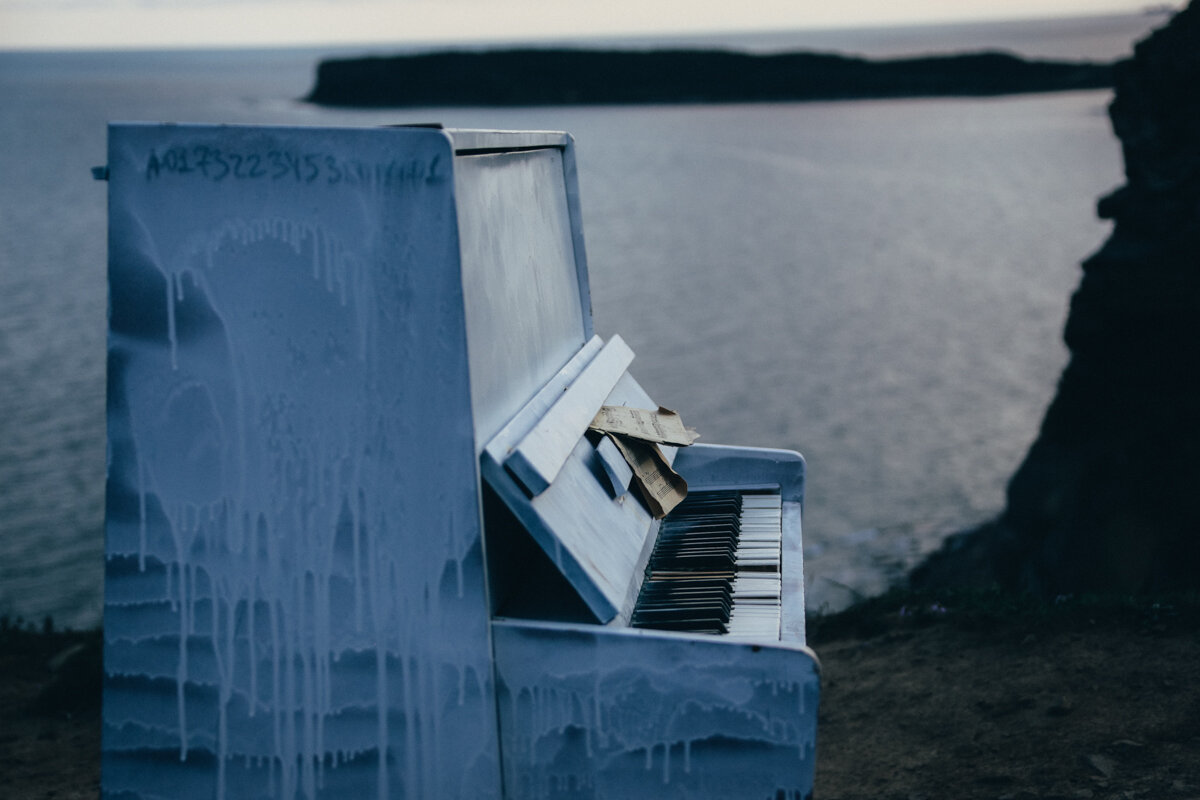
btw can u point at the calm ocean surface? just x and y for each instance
(880, 285)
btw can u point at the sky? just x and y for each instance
(37, 24)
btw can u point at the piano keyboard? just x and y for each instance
(715, 567)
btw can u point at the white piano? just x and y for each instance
(358, 541)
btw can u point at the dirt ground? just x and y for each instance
(980, 698)
(49, 714)
(922, 698)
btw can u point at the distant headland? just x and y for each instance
(535, 77)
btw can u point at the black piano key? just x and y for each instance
(692, 580)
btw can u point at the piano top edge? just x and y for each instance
(591, 629)
(467, 140)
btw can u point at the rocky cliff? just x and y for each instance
(1108, 497)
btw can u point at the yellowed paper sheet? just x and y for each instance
(660, 486)
(662, 426)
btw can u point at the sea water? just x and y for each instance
(880, 285)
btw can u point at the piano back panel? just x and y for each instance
(524, 279)
(295, 600)
(602, 712)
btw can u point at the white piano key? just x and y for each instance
(755, 587)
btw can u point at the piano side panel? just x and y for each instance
(710, 466)
(600, 712)
(294, 587)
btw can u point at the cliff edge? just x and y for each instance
(1108, 497)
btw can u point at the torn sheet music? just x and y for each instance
(662, 426)
(660, 486)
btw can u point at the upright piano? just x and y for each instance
(359, 539)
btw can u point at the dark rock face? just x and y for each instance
(1108, 497)
(549, 76)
